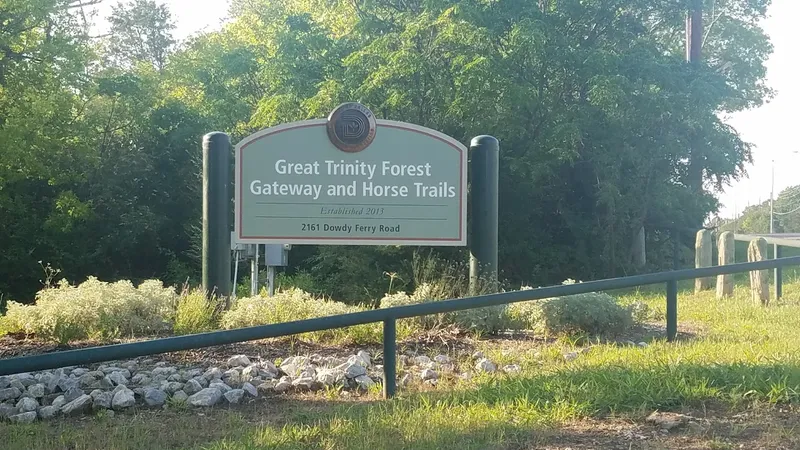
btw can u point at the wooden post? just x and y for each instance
(759, 279)
(638, 251)
(702, 258)
(727, 248)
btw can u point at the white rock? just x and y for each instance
(79, 371)
(88, 381)
(118, 379)
(642, 344)
(571, 356)
(232, 378)
(428, 374)
(330, 377)
(78, 405)
(238, 361)
(192, 387)
(250, 390)
(423, 361)
(119, 388)
(123, 399)
(165, 371)
(365, 357)
(667, 420)
(284, 384)
(442, 359)
(48, 412)
(26, 417)
(180, 397)
(59, 401)
(354, 370)
(220, 386)
(25, 379)
(9, 393)
(234, 396)
(364, 382)
(102, 400)
(268, 387)
(7, 410)
(484, 365)
(140, 378)
(176, 377)
(72, 394)
(304, 383)
(250, 372)
(269, 368)
(477, 355)
(155, 397)
(405, 380)
(207, 397)
(213, 373)
(36, 390)
(512, 368)
(5, 382)
(27, 404)
(173, 387)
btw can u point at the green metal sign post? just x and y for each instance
(216, 214)
(484, 199)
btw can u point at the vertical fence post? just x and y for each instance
(778, 274)
(389, 357)
(703, 252)
(759, 281)
(727, 255)
(216, 214)
(484, 197)
(672, 310)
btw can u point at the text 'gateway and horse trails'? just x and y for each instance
(351, 180)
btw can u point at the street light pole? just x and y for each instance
(772, 201)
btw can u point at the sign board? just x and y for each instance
(351, 180)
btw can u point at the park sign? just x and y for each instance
(350, 179)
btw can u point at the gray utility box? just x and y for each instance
(276, 254)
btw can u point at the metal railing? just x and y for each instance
(388, 316)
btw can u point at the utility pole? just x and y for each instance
(772, 201)
(694, 44)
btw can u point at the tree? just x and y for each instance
(141, 31)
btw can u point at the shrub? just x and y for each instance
(295, 304)
(94, 309)
(195, 313)
(593, 313)
(480, 320)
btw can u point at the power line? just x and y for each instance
(790, 195)
(785, 213)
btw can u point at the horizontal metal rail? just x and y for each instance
(387, 315)
(790, 240)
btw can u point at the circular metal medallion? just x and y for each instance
(351, 127)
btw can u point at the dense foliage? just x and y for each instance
(755, 218)
(603, 126)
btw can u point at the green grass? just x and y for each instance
(730, 352)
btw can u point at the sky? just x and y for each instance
(770, 128)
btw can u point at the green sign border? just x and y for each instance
(322, 123)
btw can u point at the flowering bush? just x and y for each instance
(195, 313)
(295, 304)
(479, 320)
(594, 313)
(94, 309)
